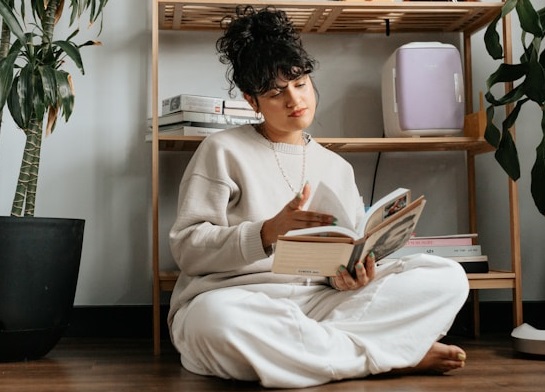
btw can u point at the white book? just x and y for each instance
(199, 117)
(190, 130)
(172, 131)
(168, 119)
(192, 103)
(237, 104)
(241, 113)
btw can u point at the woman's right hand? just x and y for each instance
(292, 217)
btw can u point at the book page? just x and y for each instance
(393, 233)
(310, 258)
(324, 200)
(384, 208)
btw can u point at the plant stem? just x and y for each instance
(48, 23)
(25, 193)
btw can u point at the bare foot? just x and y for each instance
(441, 358)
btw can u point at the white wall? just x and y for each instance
(97, 166)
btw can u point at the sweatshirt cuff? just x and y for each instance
(252, 247)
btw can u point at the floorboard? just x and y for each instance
(118, 365)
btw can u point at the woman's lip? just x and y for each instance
(297, 113)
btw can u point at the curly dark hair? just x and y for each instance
(259, 46)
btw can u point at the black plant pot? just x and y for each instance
(39, 267)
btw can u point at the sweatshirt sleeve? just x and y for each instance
(202, 239)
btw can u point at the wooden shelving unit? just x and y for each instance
(340, 17)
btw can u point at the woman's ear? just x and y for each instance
(252, 102)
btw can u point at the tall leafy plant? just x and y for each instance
(528, 76)
(33, 84)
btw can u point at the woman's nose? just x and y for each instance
(292, 97)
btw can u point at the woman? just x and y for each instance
(231, 316)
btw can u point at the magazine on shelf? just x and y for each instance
(193, 103)
(197, 117)
(443, 240)
(471, 264)
(319, 251)
(444, 251)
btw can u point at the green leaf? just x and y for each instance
(510, 97)
(64, 93)
(25, 90)
(14, 105)
(507, 73)
(49, 85)
(491, 133)
(492, 40)
(507, 155)
(538, 172)
(508, 7)
(534, 82)
(73, 52)
(11, 20)
(512, 117)
(528, 17)
(6, 76)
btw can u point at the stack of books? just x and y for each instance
(239, 108)
(196, 115)
(462, 248)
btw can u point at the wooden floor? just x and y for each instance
(128, 365)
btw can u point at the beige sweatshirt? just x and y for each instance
(233, 183)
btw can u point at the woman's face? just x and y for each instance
(287, 109)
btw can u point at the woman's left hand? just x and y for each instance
(365, 272)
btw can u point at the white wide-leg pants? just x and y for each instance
(293, 336)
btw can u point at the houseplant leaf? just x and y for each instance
(530, 75)
(538, 173)
(71, 51)
(528, 17)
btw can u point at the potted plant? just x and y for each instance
(528, 78)
(529, 74)
(39, 257)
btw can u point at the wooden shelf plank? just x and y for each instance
(340, 16)
(461, 143)
(491, 280)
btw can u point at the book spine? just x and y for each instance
(195, 103)
(192, 103)
(213, 118)
(461, 259)
(241, 113)
(440, 241)
(237, 104)
(200, 131)
(174, 118)
(445, 251)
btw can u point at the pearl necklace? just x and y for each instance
(260, 129)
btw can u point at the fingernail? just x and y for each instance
(334, 223)
(359, 266)
(372, 254)
(461, 357)
(342, 268)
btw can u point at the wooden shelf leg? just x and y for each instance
(476, 313)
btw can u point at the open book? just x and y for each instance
(319, 251)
